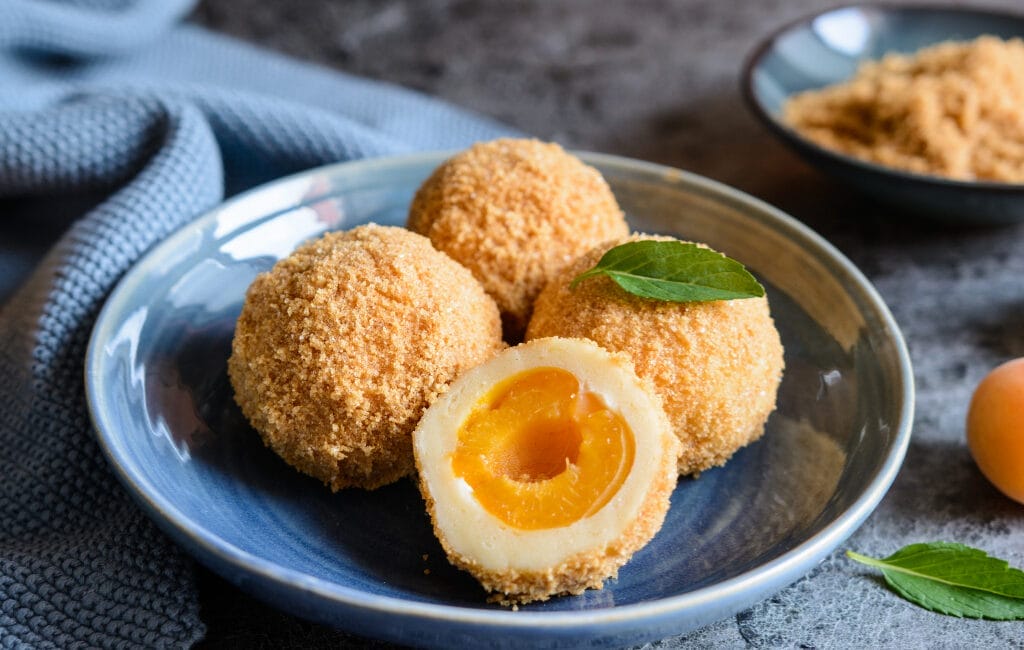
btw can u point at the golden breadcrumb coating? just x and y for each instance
(717, 365)
(342, 345)
(515, 212)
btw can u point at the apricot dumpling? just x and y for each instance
(717, 365)
(546, 468)
(515, 212)
(341, 346)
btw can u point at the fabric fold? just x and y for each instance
(78, 561)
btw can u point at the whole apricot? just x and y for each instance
(995, 428)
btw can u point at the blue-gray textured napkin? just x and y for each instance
(117, 126)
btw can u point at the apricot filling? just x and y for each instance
(540, 451)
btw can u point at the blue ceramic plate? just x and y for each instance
(164, 414)
(827, 48)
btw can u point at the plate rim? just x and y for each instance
(758, 581)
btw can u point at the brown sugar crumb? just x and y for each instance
(343, 344)
(515, 212)
(955, 110)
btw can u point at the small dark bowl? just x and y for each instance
(827, 48)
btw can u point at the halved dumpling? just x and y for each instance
(546, 468)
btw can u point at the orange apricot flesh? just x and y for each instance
(995, 428)
(540, 451)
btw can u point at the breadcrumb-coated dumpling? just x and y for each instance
(717, 365)
(342, 345)
(515, 212)
(546, 468)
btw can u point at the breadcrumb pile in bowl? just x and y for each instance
(954, 110)
(915, 107)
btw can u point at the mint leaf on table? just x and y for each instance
(953, 579)
(674, 271)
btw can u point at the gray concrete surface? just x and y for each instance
(658, 80)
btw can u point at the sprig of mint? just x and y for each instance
(953, 579)
(674, 271)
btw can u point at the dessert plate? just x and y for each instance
(368, 562)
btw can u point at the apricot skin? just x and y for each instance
(995, 428)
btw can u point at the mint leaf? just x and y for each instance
(953, 579)
(674, 271)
